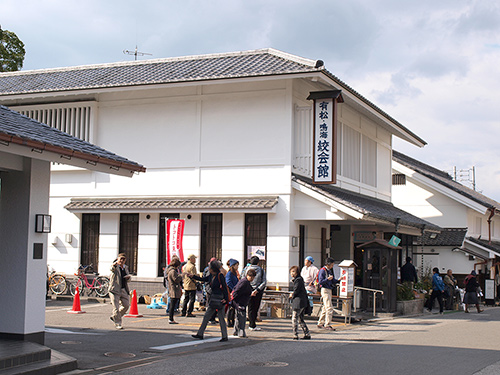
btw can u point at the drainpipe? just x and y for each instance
(492, 213)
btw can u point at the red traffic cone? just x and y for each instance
(134, 312)
(76, 304)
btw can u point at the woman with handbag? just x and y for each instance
(300, 302)
(470, 297)
(217, 301)
(174, 287)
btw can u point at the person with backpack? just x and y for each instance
(258, 286)
(241, 296)
(438, 289)
(326, 281)
(232, 278)
(217, 299)
(470, 297)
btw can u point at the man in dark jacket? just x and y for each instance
(258, 286)
(409, 272)
(241, 296)
(327, 282)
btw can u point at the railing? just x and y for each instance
(374, 291)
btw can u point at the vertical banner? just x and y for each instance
(175, 233)
(324, 168)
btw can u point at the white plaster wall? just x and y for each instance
(444, 258)
(429, 204)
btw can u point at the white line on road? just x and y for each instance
(65, 331)
(189, 343)
(82, 306)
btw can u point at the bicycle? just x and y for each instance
(99, 284)
(57, 282)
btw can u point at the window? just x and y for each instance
(369, 161)
(399, 179)
(129, 239)
(162, 243)
(90, 240)
(255, 232)
(479, 225)
(351, 152)
(211, 238)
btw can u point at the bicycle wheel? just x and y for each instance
(58, 284)
(101, 285)
(77, 283)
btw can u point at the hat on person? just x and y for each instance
(473, 273)
(233, 262)
(310, 259)
(192, 256)
(212, 259)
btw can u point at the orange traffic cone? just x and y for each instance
(134, 312)
(76, 304)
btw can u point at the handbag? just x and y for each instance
(215, 301)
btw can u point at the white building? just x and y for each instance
(27, 149)
(228, 143)
(471, 234)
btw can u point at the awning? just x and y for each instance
(365, 208)
(481, 248)
(263, 204)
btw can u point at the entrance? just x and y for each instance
(380, 272)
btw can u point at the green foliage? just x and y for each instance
(405, 292)
(11, 51)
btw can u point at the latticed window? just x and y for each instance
(399, 179)
(211, 238)
(129, 239)
(162, 241)
(255, 232)
(72, 118)
(90, 240)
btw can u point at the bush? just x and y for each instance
(405, 292)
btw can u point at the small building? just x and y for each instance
(231, 148)
(27, 149)
(470, 238)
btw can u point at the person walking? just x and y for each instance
(189, 287)
(309, 273)
(241, 297)
(232, 278)
(299, 304)
(217, 300)
(327, 282)
(118, 290)
(409, 272)
(437, 290)
(174, 287)
(451, 283)
(470, 297)
(258, 286)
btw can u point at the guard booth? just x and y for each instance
(380, 272)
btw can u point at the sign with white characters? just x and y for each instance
(175, 233)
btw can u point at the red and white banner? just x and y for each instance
(175, 233)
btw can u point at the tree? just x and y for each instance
(11, 51)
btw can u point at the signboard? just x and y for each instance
(325, 136)
(347, 273)
(259, 251)
(489, 289)
(394, 241)
(175, 234)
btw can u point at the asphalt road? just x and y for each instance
(455, 343)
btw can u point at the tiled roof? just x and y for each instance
(371, 208)
(179, 203)
(444, 179)
(493, 246)
(19, 129)
(447, 237)
(256, 63)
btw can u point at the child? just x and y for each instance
(299, 304)
(241, 297)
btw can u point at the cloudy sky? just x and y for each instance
(432, 65)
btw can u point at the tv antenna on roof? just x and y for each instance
(136, 53)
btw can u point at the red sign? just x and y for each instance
(175, 233)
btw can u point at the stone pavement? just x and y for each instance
(454, 343)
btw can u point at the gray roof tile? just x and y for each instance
(444, 179)
(447, 237)
(17, 128)
(168, 203)
(370, 207)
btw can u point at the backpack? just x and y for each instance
(316, 282)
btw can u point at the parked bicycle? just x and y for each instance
(96, 283)
(57, 282)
